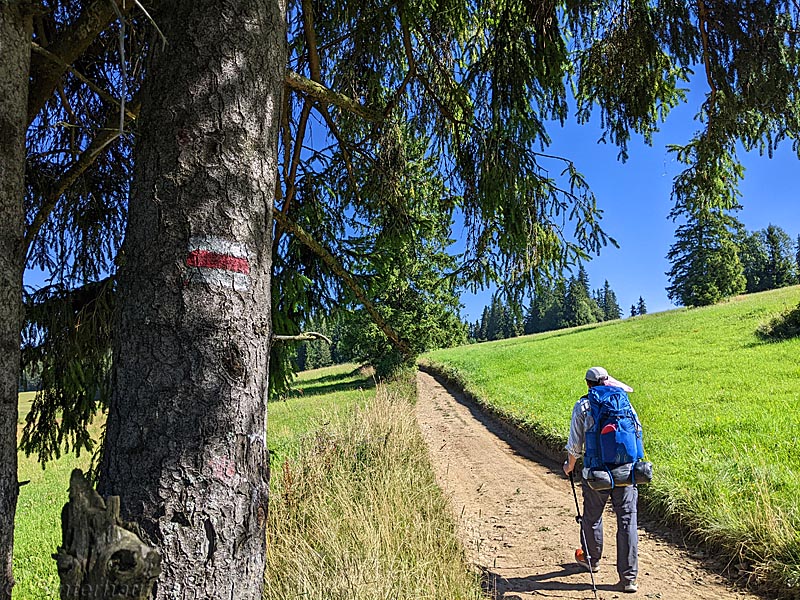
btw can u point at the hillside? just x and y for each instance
(718, 405)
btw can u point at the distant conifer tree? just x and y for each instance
(780, 268)
(705, 259)
(611, 308)
(797, 256)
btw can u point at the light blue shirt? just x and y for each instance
(580, 423)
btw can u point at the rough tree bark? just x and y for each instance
(185, 447)
(15, 50)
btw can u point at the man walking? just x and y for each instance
(623, 498)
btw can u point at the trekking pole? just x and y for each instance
(579, 520)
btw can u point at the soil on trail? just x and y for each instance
(516, 515)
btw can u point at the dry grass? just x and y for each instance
(356, 514)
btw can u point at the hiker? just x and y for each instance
(623, 497)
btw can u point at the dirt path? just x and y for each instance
(517, 516)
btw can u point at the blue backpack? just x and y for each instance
(616, 436)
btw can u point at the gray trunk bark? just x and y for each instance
(15, 50)
(185, 445)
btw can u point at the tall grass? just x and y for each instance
(719, 407)
(355, 514)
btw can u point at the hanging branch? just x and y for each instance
(702, 14)
(323, 94)
(70, 44)
(347, 278)
(104, 137)
(37, 49)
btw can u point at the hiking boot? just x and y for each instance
(580, 558)
(629, 587)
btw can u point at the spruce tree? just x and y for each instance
(611, 308)
(15, 40)
(483, 329)
(754, 259)
(598, 296)
(797, 256)
(641, 308)
(633, 310)
(545, 311)
(780, 268)
(705, 259)
(583, 278)
(494, 327)
(553, 317)
(577, 304)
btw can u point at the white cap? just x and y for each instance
(601, 376)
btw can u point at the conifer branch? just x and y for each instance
(702, 14)
(302, 337)
(37, 49)
(347, 278)
(104, 137)
(321, 93)
(70, 44)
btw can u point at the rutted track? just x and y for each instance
(517, 515)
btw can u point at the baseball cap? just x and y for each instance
(600, 375)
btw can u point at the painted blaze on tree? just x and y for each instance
(185, 448)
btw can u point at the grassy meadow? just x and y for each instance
(719, 408)
(354, 512)
(37, 531)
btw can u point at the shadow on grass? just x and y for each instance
(345, 386)
(342, 382)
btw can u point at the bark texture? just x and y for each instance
(15, 49)
(185, 446)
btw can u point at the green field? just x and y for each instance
(719, 407)
(37, 530)
(318, 398)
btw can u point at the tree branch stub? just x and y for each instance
(101, 556)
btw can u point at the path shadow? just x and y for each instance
(364, 384)
(521, 445)
(500, 587)
(333, 383)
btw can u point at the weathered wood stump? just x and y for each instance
(101, 557)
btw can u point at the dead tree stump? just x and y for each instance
(101, 557)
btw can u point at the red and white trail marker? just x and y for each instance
(218, 262)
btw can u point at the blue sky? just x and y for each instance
(635, 198)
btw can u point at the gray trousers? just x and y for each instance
(623, 499)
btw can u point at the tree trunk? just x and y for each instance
(15, 49)
(185, 445)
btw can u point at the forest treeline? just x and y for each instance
(567, 302)
(715, 257)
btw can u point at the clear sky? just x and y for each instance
(635, 198)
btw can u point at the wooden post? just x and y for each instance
(100, 556)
